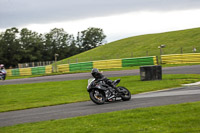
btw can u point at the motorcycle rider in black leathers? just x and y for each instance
(2, 72)
(100, 77)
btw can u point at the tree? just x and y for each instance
(58, 41)
(73, 49)
(90, 38)
(28, 46)
(31, 46)
(10, 54)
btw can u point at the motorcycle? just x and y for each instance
(100, 92)
(2, 75)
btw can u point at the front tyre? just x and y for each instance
(97, 96)
(126, 95)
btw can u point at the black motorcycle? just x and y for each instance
(100, 92)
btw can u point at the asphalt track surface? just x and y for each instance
(165, 97)
(195, 69)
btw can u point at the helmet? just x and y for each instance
(1, 66)
(94, 72)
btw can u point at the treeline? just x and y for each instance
(29, 46)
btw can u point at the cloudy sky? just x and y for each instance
(118, 18)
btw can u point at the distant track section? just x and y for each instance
(195, 69)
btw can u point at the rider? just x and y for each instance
(99, 76)
(2, 72)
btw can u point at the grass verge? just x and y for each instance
(181, 118)
(24, 96)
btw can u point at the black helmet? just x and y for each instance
(94, 72)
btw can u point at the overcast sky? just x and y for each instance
(118, 18)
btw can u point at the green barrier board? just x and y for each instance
(38, 70)
(15, 72)
(137, 61)
(81, 66)
(146, 61)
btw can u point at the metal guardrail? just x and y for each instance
(181, 58)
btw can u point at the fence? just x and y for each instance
(139, 61)
(107, 64)
(180, 58)
(81, 66)
(35, 64)
(101, 64)
(30, 71)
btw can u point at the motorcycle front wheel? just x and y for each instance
(97, 96)
(126, 95)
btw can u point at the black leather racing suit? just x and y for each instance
(100, 76)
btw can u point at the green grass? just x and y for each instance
(181, 118)
(138, 46)
(23, 96)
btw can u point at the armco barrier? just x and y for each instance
(38, 70)
(181, 58)
(25, 71)
(106, 64)
(155, 60)
(129, 62)
(81, 66)
(101, 64)
(34, 70)
(48, 69)
(15, 72)
(63, 68)
(86, 65)
(9, 72)
(29, 71)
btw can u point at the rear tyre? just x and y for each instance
(97, 96)
(126, 95)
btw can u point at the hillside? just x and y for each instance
(143, 45)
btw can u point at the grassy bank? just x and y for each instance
(23, 96)
(182, 118)
(176, 42)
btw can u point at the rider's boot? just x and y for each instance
(117, 89)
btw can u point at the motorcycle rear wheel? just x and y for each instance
(97, 96)
(126, 95)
